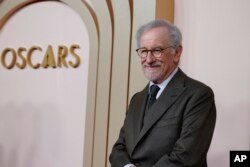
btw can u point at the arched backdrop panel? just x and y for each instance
(113, 75)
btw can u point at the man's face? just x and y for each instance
(158, 69)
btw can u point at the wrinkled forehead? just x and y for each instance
(154, 37)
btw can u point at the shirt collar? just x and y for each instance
(165, 82)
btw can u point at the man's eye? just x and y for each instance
(157, 50)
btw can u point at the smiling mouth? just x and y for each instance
(151, 68)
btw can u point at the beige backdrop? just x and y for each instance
(114, 70)
(216, 51)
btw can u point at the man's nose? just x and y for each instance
(150, 57)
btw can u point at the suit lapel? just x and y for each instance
(167, 98)
(139, 112)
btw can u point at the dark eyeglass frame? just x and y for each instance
(156, 52)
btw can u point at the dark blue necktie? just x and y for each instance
(151, 99)
(152, 94)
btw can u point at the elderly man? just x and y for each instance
(170, 123)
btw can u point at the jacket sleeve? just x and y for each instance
(197, 130)
(119, 156)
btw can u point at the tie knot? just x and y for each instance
(154, 90)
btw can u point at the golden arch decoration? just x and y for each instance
(7, 9)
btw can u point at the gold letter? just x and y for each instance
(19, 54)
(77, 57)
(11, 65)
(31, 50)
(62, 54)
(49, 58)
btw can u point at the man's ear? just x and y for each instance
(177, 55)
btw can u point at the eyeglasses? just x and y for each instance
(156, 52)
